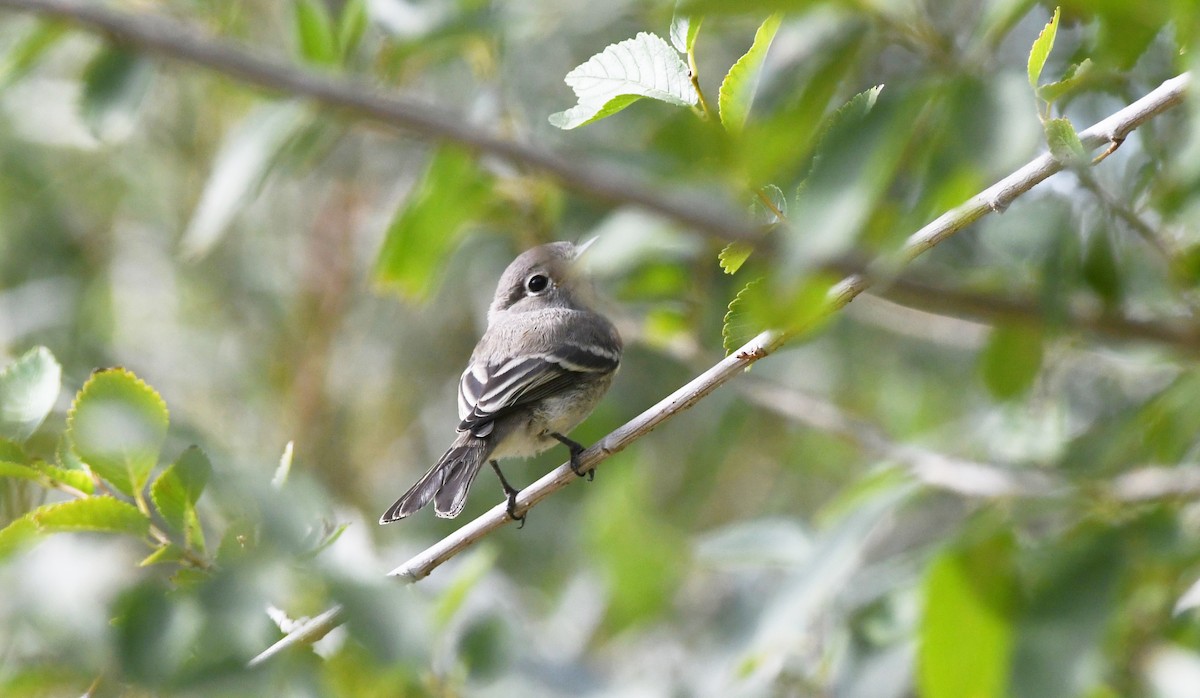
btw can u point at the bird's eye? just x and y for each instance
(537, 283)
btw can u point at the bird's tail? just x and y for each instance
(447, 482)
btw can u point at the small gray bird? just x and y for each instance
(544, 362)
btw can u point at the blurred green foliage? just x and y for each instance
(274, 273)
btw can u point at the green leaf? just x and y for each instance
(858, 159)
(28, 50)
(1041, 49)
(11, 451)
(741, 82)
(778, 144)
(733, 256)
(117, 426)
(78, 479)
(427, 226)
(29, 387)
(176, 491)
(67, 458)
(737, 328)
(352, 24)
(241, 166)
(314, 32)
(644, 66)
(18, 534)
(101, 514)
(796, 306)
(115, 84)
(966, 636)
(43, 473)
(1076, 77)
(684, 29)
(19, 471)
(1011, 360)
(852, 112)
(1064, 143)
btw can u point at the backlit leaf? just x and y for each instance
(18, 534)
(741, 82)
(644, 66)
(76, 478)
(1076, 77)
(684, 29)
(1064, 143)
(1041, 50)
(966, 636)
(427, 226)
(176, 491)
(29, 387)
(733, 256)
(101, 514)
(314, 32)
(117, 426)
(19, 471)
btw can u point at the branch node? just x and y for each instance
(1114, 141)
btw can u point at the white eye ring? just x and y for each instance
(537, 283)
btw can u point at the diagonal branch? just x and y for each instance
(1110, 131)
(995, 198)
(189, 44)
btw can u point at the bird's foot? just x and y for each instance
(510, 492)
(576, 448)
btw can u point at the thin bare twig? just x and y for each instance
(180, 42)
(1109, 132)
(311, 631)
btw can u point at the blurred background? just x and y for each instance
(979, 480)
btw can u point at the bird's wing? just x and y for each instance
(488, 391)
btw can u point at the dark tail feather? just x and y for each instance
(448, 480)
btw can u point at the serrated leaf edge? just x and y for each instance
(1039, 52)
(726, 331)
(90, 382)
(746, 68)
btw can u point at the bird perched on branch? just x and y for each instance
(543, 363)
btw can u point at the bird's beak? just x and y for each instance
(583, 247)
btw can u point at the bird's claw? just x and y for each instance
(576, 448)
(510, 492)
(512, 510)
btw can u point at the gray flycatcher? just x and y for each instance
(543, 363)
